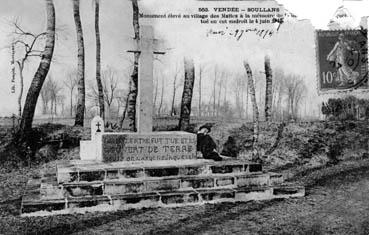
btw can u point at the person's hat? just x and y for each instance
(207, 126)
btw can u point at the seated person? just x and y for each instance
(230, 148)
(206, 145)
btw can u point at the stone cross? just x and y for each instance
(147, 46)
(97, 126)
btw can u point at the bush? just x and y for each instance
(349, 108)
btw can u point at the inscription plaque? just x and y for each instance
(168, 146)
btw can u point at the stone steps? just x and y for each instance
(93, 187)
(77, 171)
(170, 184)
(41, 207)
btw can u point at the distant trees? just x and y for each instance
(279, 95)
(80, 112)
(239, 87)
(50, 96)
(110, 90)
(71, 83)
(41, 73)
(288, 91)
(295, 91)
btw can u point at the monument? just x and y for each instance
(124, 170)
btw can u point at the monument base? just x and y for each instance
(80, 186)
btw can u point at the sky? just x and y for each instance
(292, 48)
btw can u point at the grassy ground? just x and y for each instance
(336, 201)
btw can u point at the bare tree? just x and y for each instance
(295, 89)
(80, 112)
(161, 95)
(251, 86)
(222, 76)
(268, 89)
(41, 73)
(98, 60)
(45, 97)
(175, 87)
(27, 44)
(71, 83)
(225, 104)
(54, 93)
(189, 80)
(156, 91)
(238, 87)
(133, 82)
(110, 83)
(60, 101)
(49, 95)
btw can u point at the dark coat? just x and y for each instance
(207, 146)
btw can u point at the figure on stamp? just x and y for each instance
(339, 55)
(206, 145)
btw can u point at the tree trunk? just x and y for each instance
(242, 112)
(250, 83)
(172, 112)
(133, 83)
(51, 106)
(44, 107)
(55, 108)
(40, 75)
(161, 97)
(225, 98)
(98, 61)
(189, 80)
(71, 103)
(80, 113)
(124, 114)
(214, 91)
(156, 84)
(247, 105)
(268, 89)
(219, 95)
(21, 83)
(200, 80)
